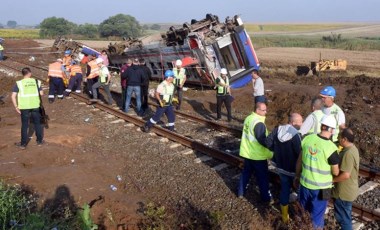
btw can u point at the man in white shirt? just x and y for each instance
(258, 87)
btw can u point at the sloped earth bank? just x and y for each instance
(85, 152)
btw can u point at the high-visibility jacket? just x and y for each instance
(94, 69)
(316, 171)
(222, 86)
(179, 76)
(66, 60)
(1, 48)
(55, 70)
(317, 116)
(250, 148)
(167, 94)
(27, 96)
(74, 69)
(103, 74)
(334, 110)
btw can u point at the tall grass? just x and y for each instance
(18, 33)
(357, 44)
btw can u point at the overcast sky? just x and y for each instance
(32, 12)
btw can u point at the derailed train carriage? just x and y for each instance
(204, 47)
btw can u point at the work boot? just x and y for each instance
(285, 213)
(146, 128)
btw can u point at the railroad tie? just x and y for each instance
(164, 140)
(175, 145)
(370, 185)
(95, 110)
(117, 121)
(187, 152)
(129, 125)
(109, 116)
(202, 159)
(220, 167)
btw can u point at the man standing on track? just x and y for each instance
(92, 74)
(134, 76)
(179, 81)
(123, 82)
(346, 186)
(223, 95)
(26, 100)
(55, 76)
(285, 142)
(103, 81)
(164, 95)
(253, 150)
(145, 85)
(316, 166)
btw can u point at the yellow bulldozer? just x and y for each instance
(328, 65)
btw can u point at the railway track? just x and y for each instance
(232, 160)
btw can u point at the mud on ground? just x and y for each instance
(193, 194)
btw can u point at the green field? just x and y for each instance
(291, 27)
(19, 33)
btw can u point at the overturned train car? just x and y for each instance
(204, 47)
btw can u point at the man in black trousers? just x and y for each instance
(145, 85)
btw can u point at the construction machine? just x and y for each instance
(328, 65)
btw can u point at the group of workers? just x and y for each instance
(306, 154)
(317, 158)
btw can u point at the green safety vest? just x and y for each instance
(27, 97)
(1, 48)
(317, 115)
(334, 111)
(167, 95)
(222, 90)
(179, 77)
(103, 77)
(316, 171)
(250, 148)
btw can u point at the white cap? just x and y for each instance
(223, 71)
(99, 60)
(329, 121)
(178, 62)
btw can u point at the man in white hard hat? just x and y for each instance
(179, 80)
(223, 94)
(316, 166)
(103, 81)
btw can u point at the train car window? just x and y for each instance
(162, 68)
(153, 68)
(170, 65)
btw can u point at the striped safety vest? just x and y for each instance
(94, 69)
(316, 171)
(334, 112)
(167, 94)
(317, 116)
(179, 76)
(74, 69)
(222, 90)
(27, 96)
(55, 70)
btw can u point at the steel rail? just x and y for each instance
(362, 212)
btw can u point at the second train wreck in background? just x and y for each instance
(204, 47)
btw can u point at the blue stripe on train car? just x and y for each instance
(251, 57)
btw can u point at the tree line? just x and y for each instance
(120, 25)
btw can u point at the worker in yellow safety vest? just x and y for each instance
(316, 165)
(26, 100)
(55, 76)
(179, 80)
(329, 107)
(312, 123)
(1, 49)
(253, 150)
(223, 95)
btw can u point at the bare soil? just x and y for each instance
(85, 151)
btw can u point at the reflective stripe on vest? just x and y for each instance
(55, 70)
(27, 96)
(167, 95)
(94, 69)
(316, 171)
(74, 69)
(222, 90)
(250, 148)
(179, 76)
(334, 111)
(317, 116)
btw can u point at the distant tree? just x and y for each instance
(12, 24)
(145, 27)
(261, 27)
(120, 25)
(88, 30)
(53, 26)
(155, 27)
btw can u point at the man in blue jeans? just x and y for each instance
(346, 186)
(26, 100)
(253, 150)
(134, 75)
(285, 142)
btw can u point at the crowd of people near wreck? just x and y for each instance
(315, 157)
